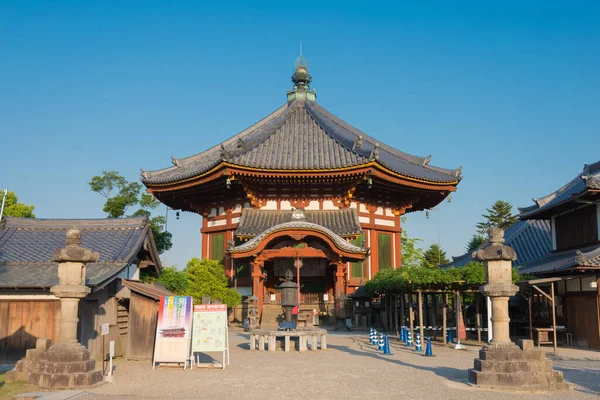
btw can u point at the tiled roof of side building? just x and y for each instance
(302, 135)
(342, 222)
(152, 290)
(27, 246)
(588, 257)
(531, 240)
(589, 178)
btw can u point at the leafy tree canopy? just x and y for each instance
(474, 243)
(207, 278)
(172, 279)
(12, 207)
(412, 254)
(405, 279)
(121, 194)
(434, 256)
(499, 216)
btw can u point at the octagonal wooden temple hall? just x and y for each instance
(303, 191)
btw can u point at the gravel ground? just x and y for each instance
(349, 369)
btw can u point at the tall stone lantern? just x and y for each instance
(72, 260)
(501, 363)
(67, 363)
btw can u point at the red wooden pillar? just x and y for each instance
(339, 279)
(258, 285)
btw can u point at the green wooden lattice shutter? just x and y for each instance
(384, 247)
(357, 267)
(217, 246)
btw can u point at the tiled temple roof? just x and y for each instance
(302, 135)
(342, 222)
(27, 246)
(531, 240)
(588, 179)
(588, 257)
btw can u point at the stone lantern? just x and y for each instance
(342, 311)
(289, 295)
(253, 312)
(67, 363)
(501, 363)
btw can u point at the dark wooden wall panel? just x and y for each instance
(23, 322)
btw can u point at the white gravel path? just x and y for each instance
(349, 369)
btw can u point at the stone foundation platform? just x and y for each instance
(510, 367)
(60, 366)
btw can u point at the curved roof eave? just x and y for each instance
(356, 147)
(339, 242)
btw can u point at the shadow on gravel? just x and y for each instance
(452, 374)
(587, 380)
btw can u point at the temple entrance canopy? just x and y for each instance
(312, 252)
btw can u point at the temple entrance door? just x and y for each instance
(316, 278)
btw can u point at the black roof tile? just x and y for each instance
(27, 246)
(301, 135)
(342, 222)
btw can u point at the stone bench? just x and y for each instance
(312, 337)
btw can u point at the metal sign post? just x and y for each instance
(105, 330)
(111, 353)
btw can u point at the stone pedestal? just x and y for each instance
(501, 363)
(60, 366)
(67, 364)
(508, 366)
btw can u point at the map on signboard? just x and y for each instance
(209, 332)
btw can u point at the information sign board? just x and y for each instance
(210, 329)
(173, 329)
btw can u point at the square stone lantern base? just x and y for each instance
(60, 366)
(510, 367)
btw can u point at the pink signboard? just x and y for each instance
(173, 329)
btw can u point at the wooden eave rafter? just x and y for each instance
(372, 168)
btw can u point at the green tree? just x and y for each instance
(474, 243)
(172, 279)
(499, 216)
(412, 254)
(12, 207)
(434, 256)
(207, 278)
(121, 194)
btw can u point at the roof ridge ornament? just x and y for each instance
(301, 79)
(298, 214)
(427, 160)
(374, 153)
(458, 171)
(175, 161)
(224, 153)
(358, 143)
(241, 144)
(143, 173)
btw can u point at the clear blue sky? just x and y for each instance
(510, 91)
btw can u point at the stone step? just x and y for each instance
(42, 366)
(65, 380)
(513, 366)
(514, 380)
(513, 355)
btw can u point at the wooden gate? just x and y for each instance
(23, 322)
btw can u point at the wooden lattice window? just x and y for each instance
(358, 270)
(384, 250)
(217, 246)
